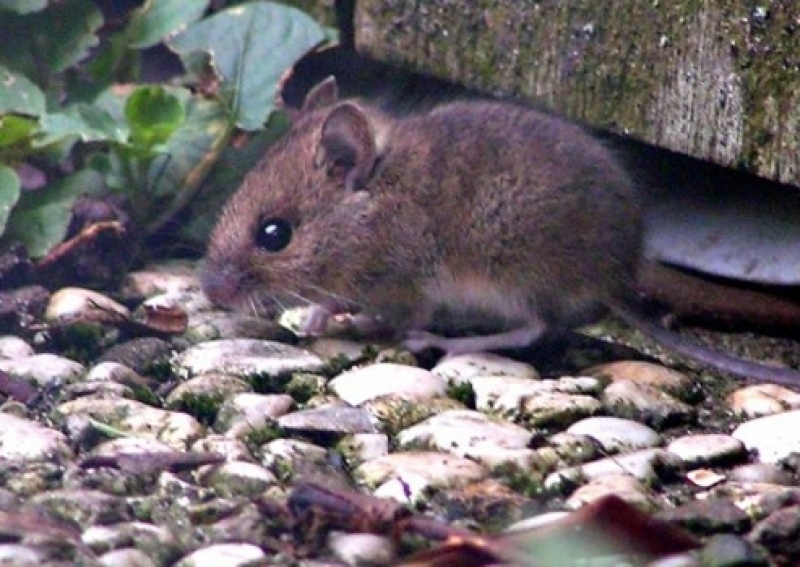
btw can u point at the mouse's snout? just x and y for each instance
(223, 285)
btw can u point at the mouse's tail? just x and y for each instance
(711, 357)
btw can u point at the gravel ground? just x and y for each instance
(182, 450)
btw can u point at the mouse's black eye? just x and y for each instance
(273, 235)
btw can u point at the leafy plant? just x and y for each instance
(77, 118)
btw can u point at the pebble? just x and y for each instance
(224, 555)
(773, 532)
(290, 454)
(330, 419)
(47, 370)
(396, 414)
(362, 549)
(671, 381)
(157, 542)
(12, 348)
(230, 325)
(625, 486)
(243, 413)
(547, 408)
(211, 386)
(731, 550)
(366, 446)
(646, 403)
(130, 446)
(234, 479)
(293, 448)
(488, 389)
(463, 433)
(188, 302)
(25, 441)
(84, 507)
(176, 429)
(139, 354)
(128, 557)
(763, 399)
(707, 449)
(19, 555)
(383, 379)
(78, 304)
(761, 472)
(410, 490)
(616, 435)
(773, 437)
(339, 351)
(441, 470)
(247, 357)
(708, 516)
(168, 276)
(233, 449)
(758, 499)
(572, 448)
(644, 465)
(465, 367)
(114, 372)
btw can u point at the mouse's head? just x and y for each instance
(305, 226)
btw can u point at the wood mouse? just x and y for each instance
(473, 210)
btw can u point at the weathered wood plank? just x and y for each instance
(718, 80)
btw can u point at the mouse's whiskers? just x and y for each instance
(336, 297)
(299, 298)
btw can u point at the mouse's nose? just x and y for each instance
(223, 285)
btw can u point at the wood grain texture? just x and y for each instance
(717, 80)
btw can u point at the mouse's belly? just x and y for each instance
(474, 301)
(477, 302)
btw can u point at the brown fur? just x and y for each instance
(474, 209)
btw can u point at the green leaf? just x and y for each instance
(19, 95)
(41, 218)
(196, 142)
(42, 43)
(112, 62)
(153, 115)
(9, 194)
(157, 19)
(15, 129)
(84, 122)
(23, 6)
(250, 47)
(225, 178)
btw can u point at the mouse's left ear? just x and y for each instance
(324, 94)
(347, 146)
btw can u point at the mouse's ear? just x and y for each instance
(347, 146)
(324, 94)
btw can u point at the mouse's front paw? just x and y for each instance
(417, 341)
(316, 321)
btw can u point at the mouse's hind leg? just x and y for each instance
(521, 337)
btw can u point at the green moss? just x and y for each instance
(716, 80)
(261, 436)
(267, 384)
(463, 393)
(524, 481)
(160, 370)
(204, 407)
(338, 364)
(81, 341)
(304, 386)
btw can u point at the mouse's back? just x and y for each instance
(531, 212)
